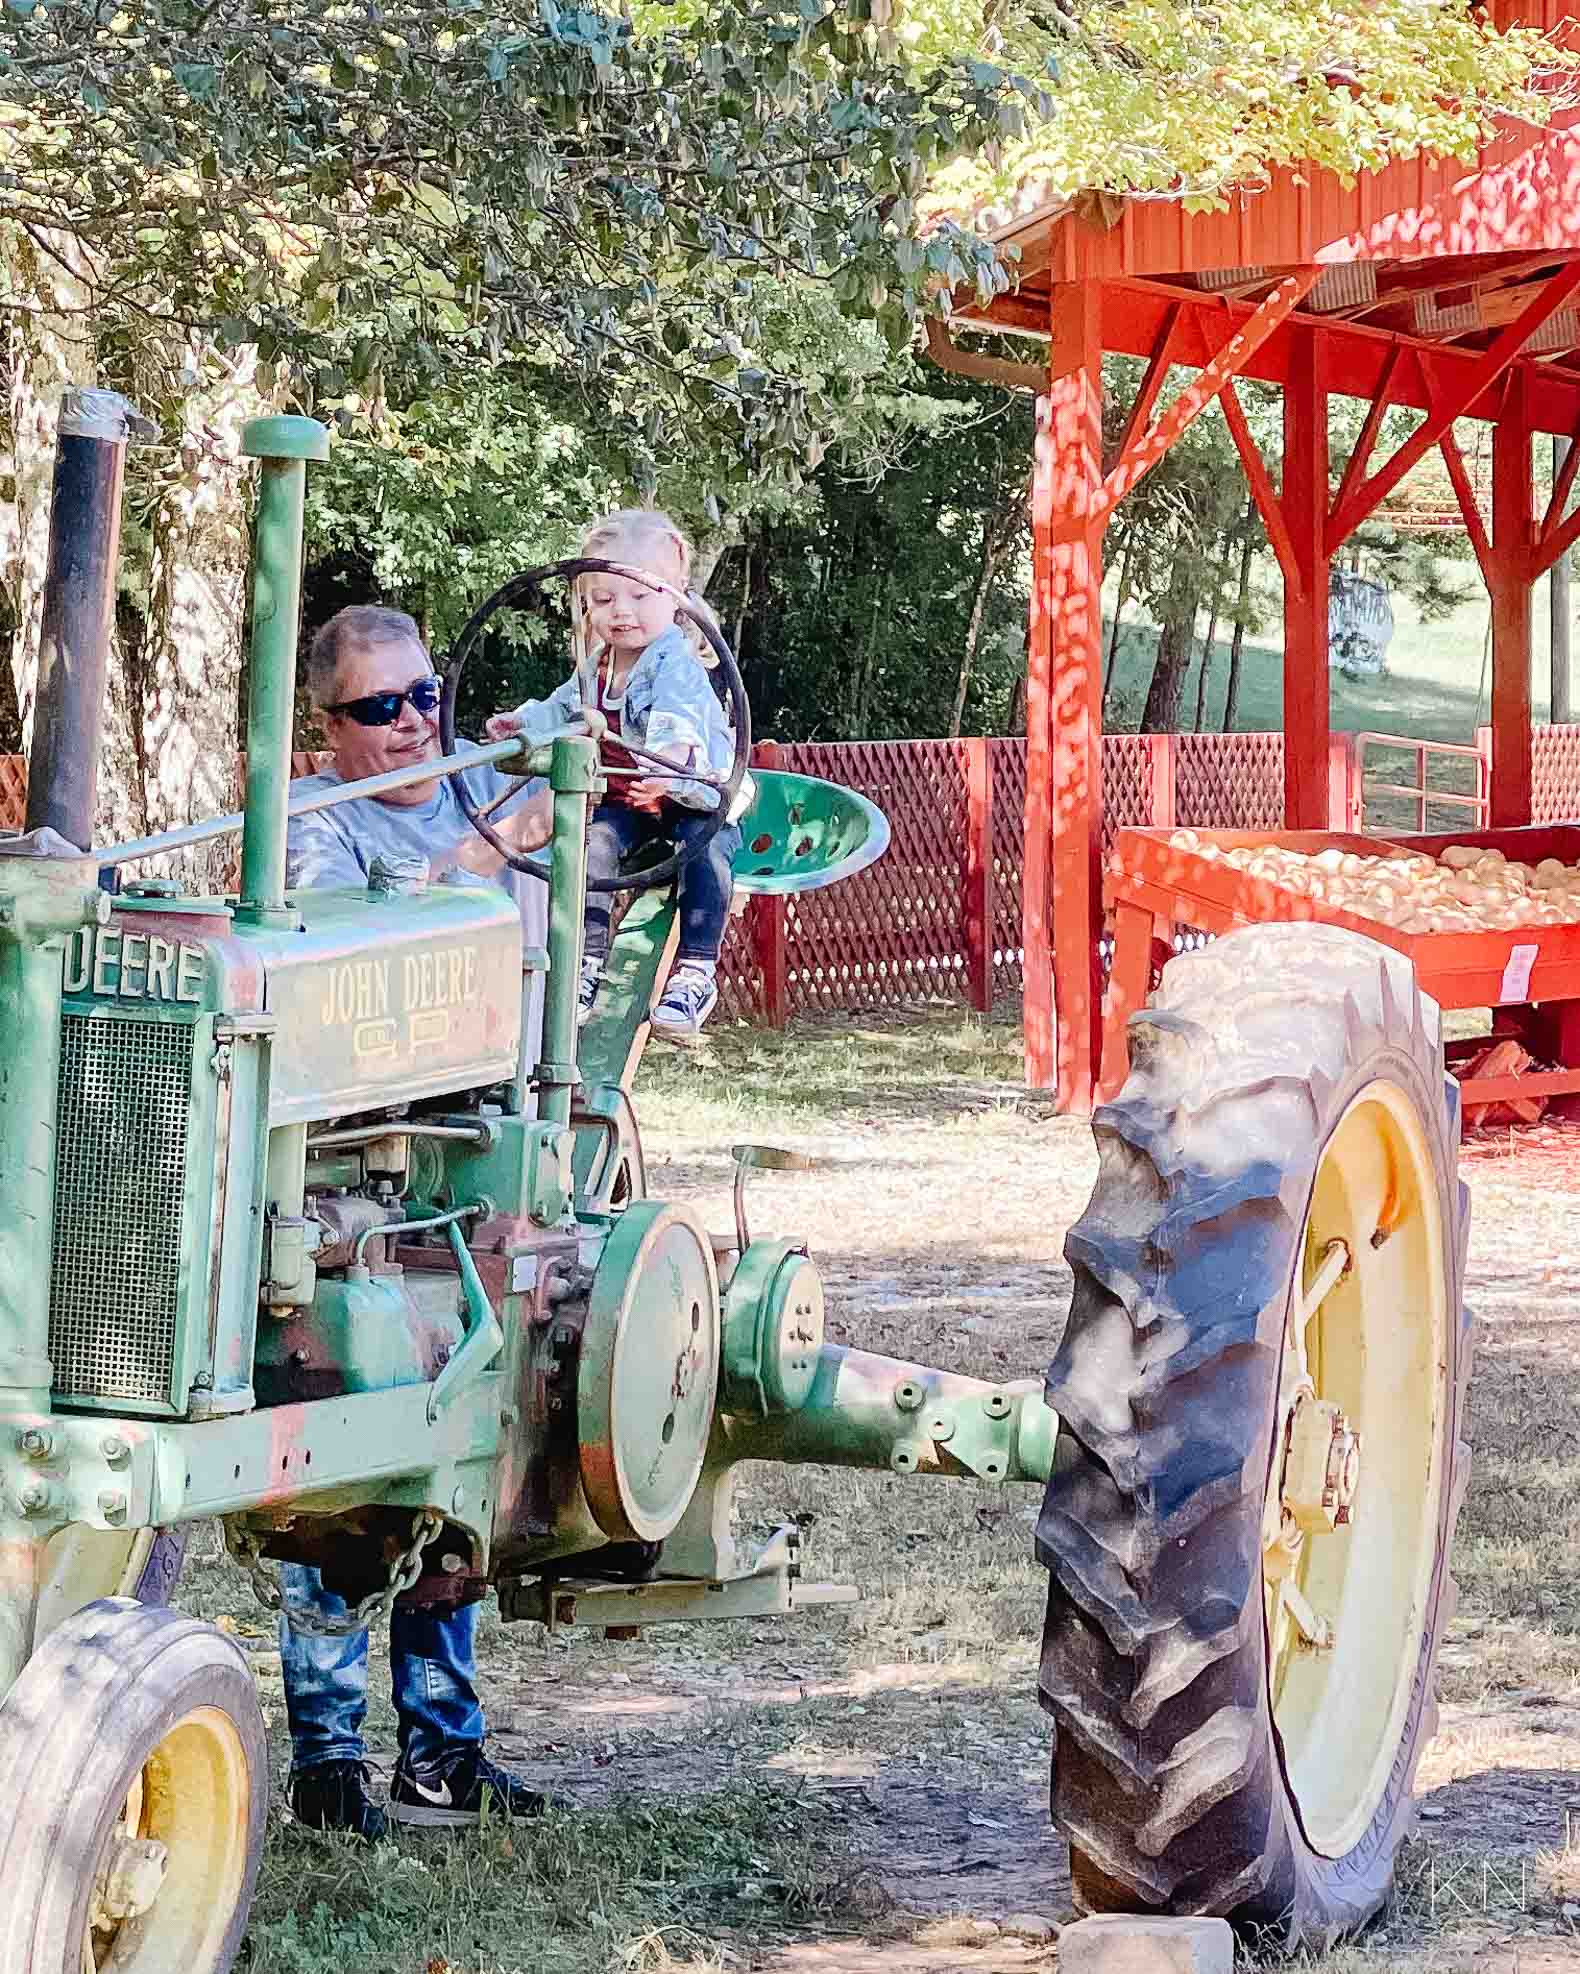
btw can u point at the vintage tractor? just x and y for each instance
(317, 1217)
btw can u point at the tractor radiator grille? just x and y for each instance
(120, 1180)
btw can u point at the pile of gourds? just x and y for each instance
(1462, 889)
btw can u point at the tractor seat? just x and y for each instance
(802, 833)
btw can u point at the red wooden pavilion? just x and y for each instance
(1456, 293)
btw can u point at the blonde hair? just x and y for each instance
(649, 540)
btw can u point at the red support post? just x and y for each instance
(1036, 935)
(1346, 791)
(979, 874)
(1305, 504)
(1063, 900)
(767, 923)
(1513, 543)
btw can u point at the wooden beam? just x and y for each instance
(1563, 486)
(1456, 403)
(1242, 344)
(1268, 504)
(1465, 494)
(1512, 531)
(1158, 367)
(1355, 467)
(942, 349)
(1064, 824)
(1558, 542)
(1305, 504)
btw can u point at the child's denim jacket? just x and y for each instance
(670, 707)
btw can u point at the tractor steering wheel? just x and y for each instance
(524, 592)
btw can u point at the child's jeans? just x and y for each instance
(433, 1670)
(615, 831)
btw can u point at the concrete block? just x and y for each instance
(1117, 1943)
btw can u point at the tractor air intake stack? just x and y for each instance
(79, 608)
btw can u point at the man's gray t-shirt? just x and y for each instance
(337, 846)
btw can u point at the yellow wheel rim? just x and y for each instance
(170, 1872)
(1351, 1518)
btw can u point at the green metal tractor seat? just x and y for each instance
(801, 833)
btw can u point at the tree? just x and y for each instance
(1195, 100)
(392, 183)
(859, 612)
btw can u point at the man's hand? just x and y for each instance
(530, 826)
(526, 828)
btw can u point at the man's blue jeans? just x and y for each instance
(433, 1664)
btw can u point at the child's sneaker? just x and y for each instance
(686, 1003)
(451, 1795)
(592, 979)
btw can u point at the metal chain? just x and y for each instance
(247, 1549)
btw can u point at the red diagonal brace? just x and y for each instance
(1241, 346)
(1349, 514)
(1465, 493)
(1355, 468)
(1158, 367)
(1268, 504)
(1557, 541)
(1563, 487)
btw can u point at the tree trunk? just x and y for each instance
(1242, 608)
(46, 354)
(1206, 670)
(987, 568)
(705, 559)
(1176, 642)
(182, 707)
(1121, 598)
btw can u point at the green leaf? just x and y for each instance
(198, 79)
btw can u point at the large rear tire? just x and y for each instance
(1262, 1385)
(133, 1789)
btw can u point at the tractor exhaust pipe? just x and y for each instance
(79, 611)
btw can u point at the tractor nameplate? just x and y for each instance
(387, 1000)
(113, 963)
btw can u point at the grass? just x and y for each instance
(855, 1788)
(640, 1885)
(1436, 685)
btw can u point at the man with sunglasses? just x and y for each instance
(374, 684)
(371, 677)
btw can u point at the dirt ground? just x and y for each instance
(937, 1216)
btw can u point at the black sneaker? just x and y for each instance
(450, 1795)
(334, 1796)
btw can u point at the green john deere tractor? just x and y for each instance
(318, 1216)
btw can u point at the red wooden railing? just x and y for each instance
(938, 917)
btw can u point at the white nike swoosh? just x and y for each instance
(440, 1796)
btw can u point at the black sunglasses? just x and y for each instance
(382, 709)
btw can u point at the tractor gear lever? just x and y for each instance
(762, 1158)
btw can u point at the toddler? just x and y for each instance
(640, 667)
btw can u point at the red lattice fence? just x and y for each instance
(1006, 765)
(1555, 772)
(1228, 780)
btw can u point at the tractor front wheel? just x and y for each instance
(133, 1789)
(1261, 1390)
